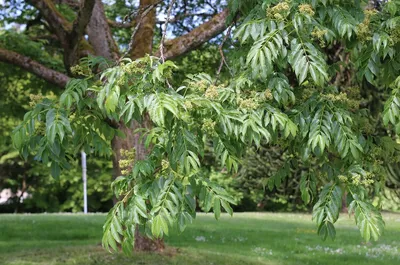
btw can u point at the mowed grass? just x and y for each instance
(246, 238)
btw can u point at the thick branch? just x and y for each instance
(142, 36)
(78, 29)
(80, 23)
(196, 37)
(58, 24)
(34, 67)
(183, 16)
(99, 33)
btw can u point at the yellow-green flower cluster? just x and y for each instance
(211, 92)
(319, 35)
(208, 126)
(199, 85)
(127, 160)
(363, 30)
(40, 128)
(248, 104)
(133, 67)
(307, 92)
(121, 81)
(279, 11)
(357, 179)
(164, 164)
(394, 35)
(35, 99)
(268, 94)
(370, 12)
(81, 70)
(188, 105)
(342, 178)
(306, 9)
(342, 98)
(366, 125)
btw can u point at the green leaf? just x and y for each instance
(227, 207)
(208, 201)
(112, 102)
(217, 208)
(55, 169)
(158, 225)
(331, 230)
(323, 231)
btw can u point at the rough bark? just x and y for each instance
(130, 141)
(78, 29)
(143, 39)
(142, 243)
(34, 67)
(196, 37)
(100, 34)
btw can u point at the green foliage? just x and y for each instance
(326, 210)
(368, 219)
(21, 43)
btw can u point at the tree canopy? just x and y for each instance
(317, 79)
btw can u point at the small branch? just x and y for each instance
(83, 18)
(163, 37)
(182, 16)
(44, 37)
(34, 67)
(221, 52)
(211, 6)
(122, 25)
(165, 31)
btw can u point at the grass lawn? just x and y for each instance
(247, 238)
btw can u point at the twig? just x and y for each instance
(221, 52)
(143, 15)
(165, 31)
(163, 37)
(183, 16)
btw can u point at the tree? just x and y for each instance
(289, 87)
(64, 24)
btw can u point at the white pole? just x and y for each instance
(84, 182)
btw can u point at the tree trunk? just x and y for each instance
(142, 243)
(142, 45)
(99, 34)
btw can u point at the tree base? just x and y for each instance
(143, 243)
